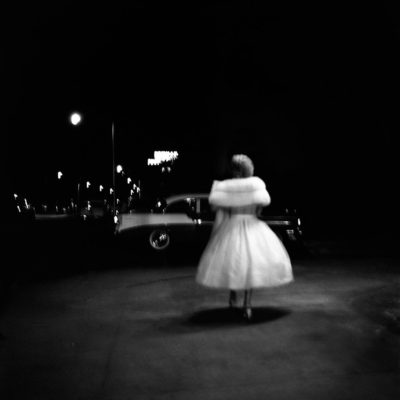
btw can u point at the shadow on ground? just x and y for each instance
(218, 319)
(226, 316)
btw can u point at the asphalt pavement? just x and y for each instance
(130, 330)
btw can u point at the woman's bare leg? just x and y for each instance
(247, 304)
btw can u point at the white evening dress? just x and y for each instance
(243, 252)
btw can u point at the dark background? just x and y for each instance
(309, 92)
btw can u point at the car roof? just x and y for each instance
(183, 196)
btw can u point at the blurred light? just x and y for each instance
(129, 180)
(298, 221)
(115, 219)
(26, 203)
(59, 174)
(15, 196)
(75, 118)
(111, 190)
(19, 209)
(162, 156)
(119, 169)
(101, 188)
(88, 184)
(131, 192)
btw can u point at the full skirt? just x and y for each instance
(244, 253)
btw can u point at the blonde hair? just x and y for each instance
(242, 166)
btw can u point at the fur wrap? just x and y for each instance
(239, 192)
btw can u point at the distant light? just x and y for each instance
(111, 190)
(15, 196)
(59, 174)
(129, 180)
(131, 192)
(101, 188)
(115, 219)
(88, 184)
(162, 156)
(119, 169)
(75, 118)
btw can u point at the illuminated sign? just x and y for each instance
(162, 156)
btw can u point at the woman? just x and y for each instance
(243, 253)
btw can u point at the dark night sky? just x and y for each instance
(309, 92)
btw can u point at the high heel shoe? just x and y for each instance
(248, 314)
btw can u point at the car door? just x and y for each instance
(204, 220)
(182, 233)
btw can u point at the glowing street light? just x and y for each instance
(119, 169)
(59, 174)
(75, 118)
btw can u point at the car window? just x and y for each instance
(277, 210)
(206, 212)
(186, 206)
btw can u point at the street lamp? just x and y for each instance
(75, 118)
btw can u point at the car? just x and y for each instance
(187, 219)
